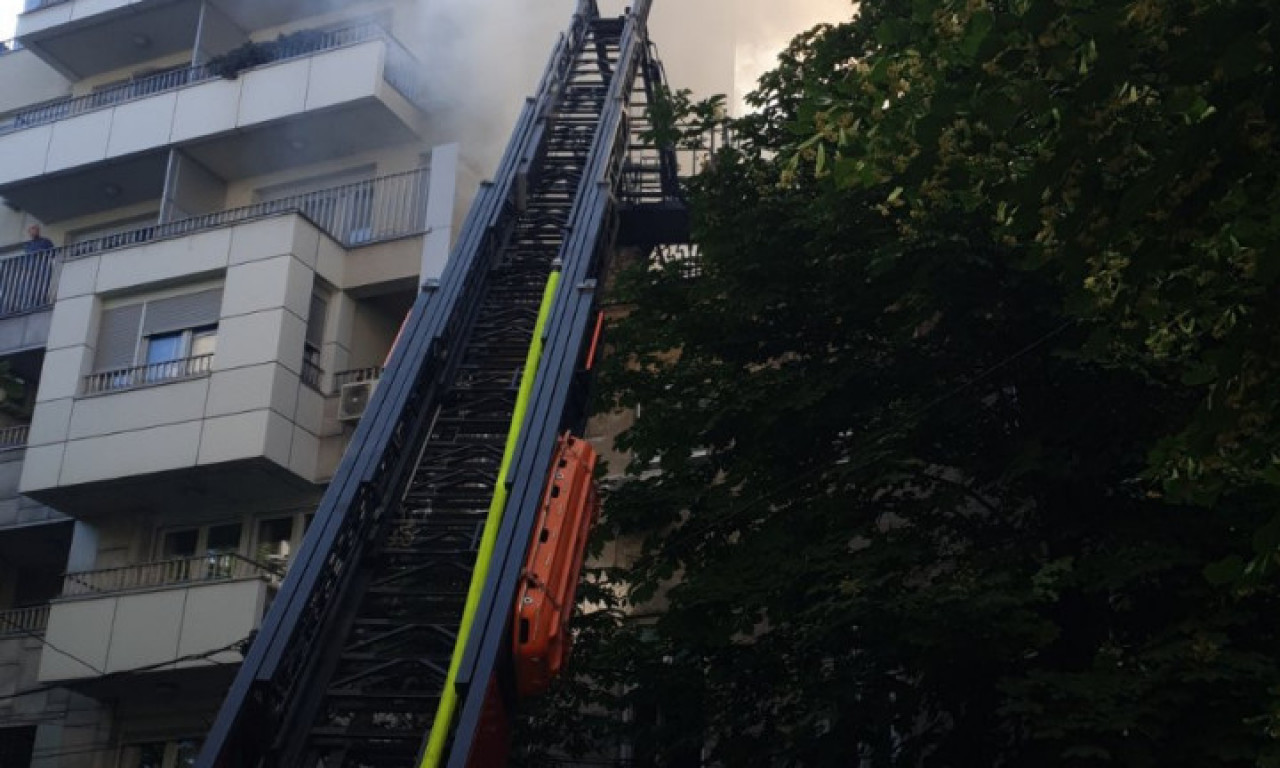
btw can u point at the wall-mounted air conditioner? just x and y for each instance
(353, 399)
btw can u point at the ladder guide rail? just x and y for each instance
(351, 661)
(567, 335)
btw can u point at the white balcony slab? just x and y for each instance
(79, 140)
(126, 454)
(39, 81)
(204, 109)
(346, 75)
(142, 124)
(116, 632)
(139, 409)
(274, 92)
(25, 153)
(254, 388)
(337, 99)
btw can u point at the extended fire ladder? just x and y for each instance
(353, 658)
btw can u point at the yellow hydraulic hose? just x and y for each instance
(488, 541)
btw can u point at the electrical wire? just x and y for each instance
(202, 656)
(49, 645)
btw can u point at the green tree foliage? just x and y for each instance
(967, 425)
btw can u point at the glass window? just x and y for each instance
(204, 341)
(180, 543)
(224, 538)
(164, 347)
(275, 542)
(179, 753)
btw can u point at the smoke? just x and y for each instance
(766, 26)
(483, 59)
(723, 46)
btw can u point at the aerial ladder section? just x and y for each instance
(390, 641)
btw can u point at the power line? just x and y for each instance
(48, 644)
(202, 656)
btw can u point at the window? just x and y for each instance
(176, 753)
(279, 539)
(169, 355)
(204, 552)
(311, 346)
(162, 339)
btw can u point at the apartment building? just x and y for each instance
(243, 198)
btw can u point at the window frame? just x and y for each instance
(131, 752)
(142, 371)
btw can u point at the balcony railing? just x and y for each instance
(401, 73)
(154, 373)
(27, 281)
(24, 621)
(14, 437)
(184, 571)
(355, 376)
(362, 213)
(312, 373)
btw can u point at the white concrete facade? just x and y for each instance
(288, 90)
(114, 633)
(155, 479)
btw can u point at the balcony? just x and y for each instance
(360, 214)
(326, 95)
(164, 615)
(248, 425)
(26, 281)
(84, 38)
(14, 437)
(146, 375)
(30, 621)
(87, 37)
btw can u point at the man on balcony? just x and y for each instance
(25, 280)
(37, 243)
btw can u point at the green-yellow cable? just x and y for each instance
(449, 697)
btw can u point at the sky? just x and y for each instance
(8, 14)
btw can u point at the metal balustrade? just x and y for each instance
(402, 73)
(186, 571)
(154, 373)
(27, 282)
(355, 214)
(312, 373)
(24, 621)
(14, 437)
(355, 376)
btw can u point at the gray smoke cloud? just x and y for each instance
(483, 59)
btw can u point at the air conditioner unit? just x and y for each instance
(353, 399)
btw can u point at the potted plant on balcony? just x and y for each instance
(252, 54)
